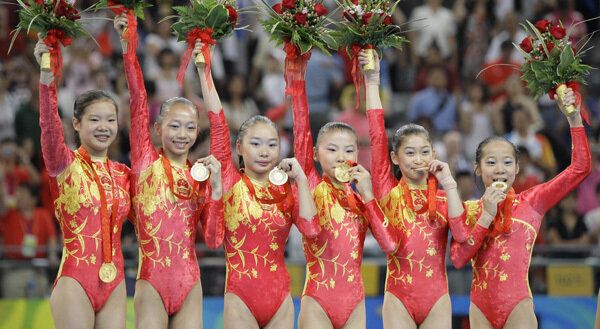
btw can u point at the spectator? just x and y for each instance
(27, 232)
(452, 152)
(8, 108)
(592, 220)
(466, 185)
(432, 23)
(475, 118)
(509, 30)
(586, 198)
(536, 144)
(477, 39)
(18, 169)
(496, 72)
(567, 229)
(358, 120)
(434, 58)
(435, 102)
(166, 77)
(571, 19)
(529, 175)
(237, 106)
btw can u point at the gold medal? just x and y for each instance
(278, 177)
(199, 59)
(45, 62)
(342, 173)
(108, 272)
(371, 56)
(199, 172)
(500, 185)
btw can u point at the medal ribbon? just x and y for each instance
(196, 186)
(347, 198)
(503, 220)
(107, 222)
(284, 200)
(431, 194)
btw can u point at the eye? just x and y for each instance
(508, 162)
(426, 151)
(409, 153)
(330, 149)
(94, 119)
(272, 145)
(254, 143)
(191, 127)
(490, 162)
(112, 120)
(349, 151)
(174, 125)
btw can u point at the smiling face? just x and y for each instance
(178, 130)
(413, 155)
(259, 149)
(97, 127)
(335, 147)
(497, 162)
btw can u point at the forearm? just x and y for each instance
(373, 100)
(211, 97)
(306, 202)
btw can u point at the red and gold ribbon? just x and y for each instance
(585, 115)
(357, 76)
(295, 69)
(347, 198)
(283, 199)
(107, 221)
(130, 34)
(503, 220)
(53, 39)
(183, 182)
(431, 207)
(204, 35)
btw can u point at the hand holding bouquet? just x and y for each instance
(131, 9)
(551, 64)
(207, 21)
(57, 21)
(300, 25)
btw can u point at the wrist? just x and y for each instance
(485, 219)
(448, 183)
(367, 196)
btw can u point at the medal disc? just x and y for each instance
(108, 272)
(199, 172)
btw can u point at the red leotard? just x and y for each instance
(167, 211)
(255, 234)
(416, 271)
(77, 204)
(501, 264)
(334, 257)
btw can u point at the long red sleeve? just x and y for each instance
(213, 222)
(388, 241)
(381, 167)
(220, 147)
(303, 142)
(309, 227)
(57, 156)
(461, 252)
(545, 196)
(142, 150)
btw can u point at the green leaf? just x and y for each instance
(217, 16)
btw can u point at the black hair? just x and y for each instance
(485, 142)
(334, 126)
(250, 123)
(408, 130)
(166, 105)
(86, 99)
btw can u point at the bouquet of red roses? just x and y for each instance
(367, 24)
(207, 21)
(551, 63)
(300, 25)
(132, 9)
(57, 21)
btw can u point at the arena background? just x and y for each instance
(248, 73)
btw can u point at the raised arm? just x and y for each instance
(381, 167)
(304, 212)
(142, 150)
(303, 141)
(57, 156)
(544, 196)
(455, 210)
(378, 223)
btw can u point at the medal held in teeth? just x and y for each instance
(342, 173)
(278, 177)
(500, 185)
(199, 172)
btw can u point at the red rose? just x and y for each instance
(289, 4)
(62, 8)
(367, 17)
(549, 46)
(526, 45)
(542, 25)
(233, 15)
(72, 14)
(348, 16)
(39, 2)
(355, 2)
(388, 20)
(558, 32)
(301, 18)
(277, 8)
(320, 9)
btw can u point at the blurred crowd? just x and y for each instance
(447, 78)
